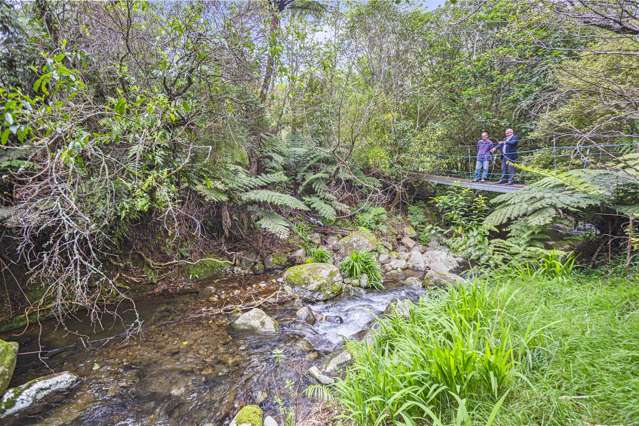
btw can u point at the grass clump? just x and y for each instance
(318, 255)
(360, 263)
(516, 350)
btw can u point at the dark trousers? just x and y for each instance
(507, 169)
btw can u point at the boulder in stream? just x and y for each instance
(315, 281)
(337, 361)
(360, 240)
(305, 314)
(256, 321)
(32, 397)
(408, 242)
(319, 377)
(416, 261)
(442, 278)
(440, 260)
(249, 415)
(8, 354)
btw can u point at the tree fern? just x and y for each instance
(273, 198)
(240, 180)
(325, 210)
(274, 223)
(212, 195)
(311, 178)
(542, 202)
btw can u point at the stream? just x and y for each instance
(186, 366)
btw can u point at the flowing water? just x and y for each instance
(187, 367)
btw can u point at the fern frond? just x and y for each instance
(274, 198)
(311, 179)
(275, 224)
(212, 195)
(242, 181)
(325, 210)
(319, 392)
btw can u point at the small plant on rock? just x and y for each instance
(318, 255)
(362, 263)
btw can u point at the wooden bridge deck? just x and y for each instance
(481, 186)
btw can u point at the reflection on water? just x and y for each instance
(187, 368)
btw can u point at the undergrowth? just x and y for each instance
(525, 347)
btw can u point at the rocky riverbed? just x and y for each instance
(250, 340)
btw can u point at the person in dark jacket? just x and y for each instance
(484, 146)
(508, 150)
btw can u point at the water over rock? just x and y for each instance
(256, 321)
(315, 281)
(8, 353)
(360, 240)
(32, 397)
(306, 315)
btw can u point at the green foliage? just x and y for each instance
(274, 198)
(325, 210)
(373, 218)
(425, 230)
(318, 255)
(570, 192)
(360, 263)
(461, 207)
(484, 354)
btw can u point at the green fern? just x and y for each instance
(542, 202)
(240, 180)
(274, 223)
(325, 210)
(213, 195)
(319, 392)
(273, 198)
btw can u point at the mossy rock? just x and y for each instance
(8, 355)
(35, 396)
(277, 260)
(206, 267)
(249, 415)
(360, 240)
(315, 281)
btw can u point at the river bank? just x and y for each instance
(186, 364)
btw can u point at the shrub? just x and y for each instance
(373, 218)
(362, 263)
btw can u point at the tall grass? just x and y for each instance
(518, 349)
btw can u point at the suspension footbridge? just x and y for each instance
(457, 169)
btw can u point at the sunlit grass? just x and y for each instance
(511, 350)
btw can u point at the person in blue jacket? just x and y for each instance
(484, 146)
(508, 150)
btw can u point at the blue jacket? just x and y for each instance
(483, 149)
(511, 148)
